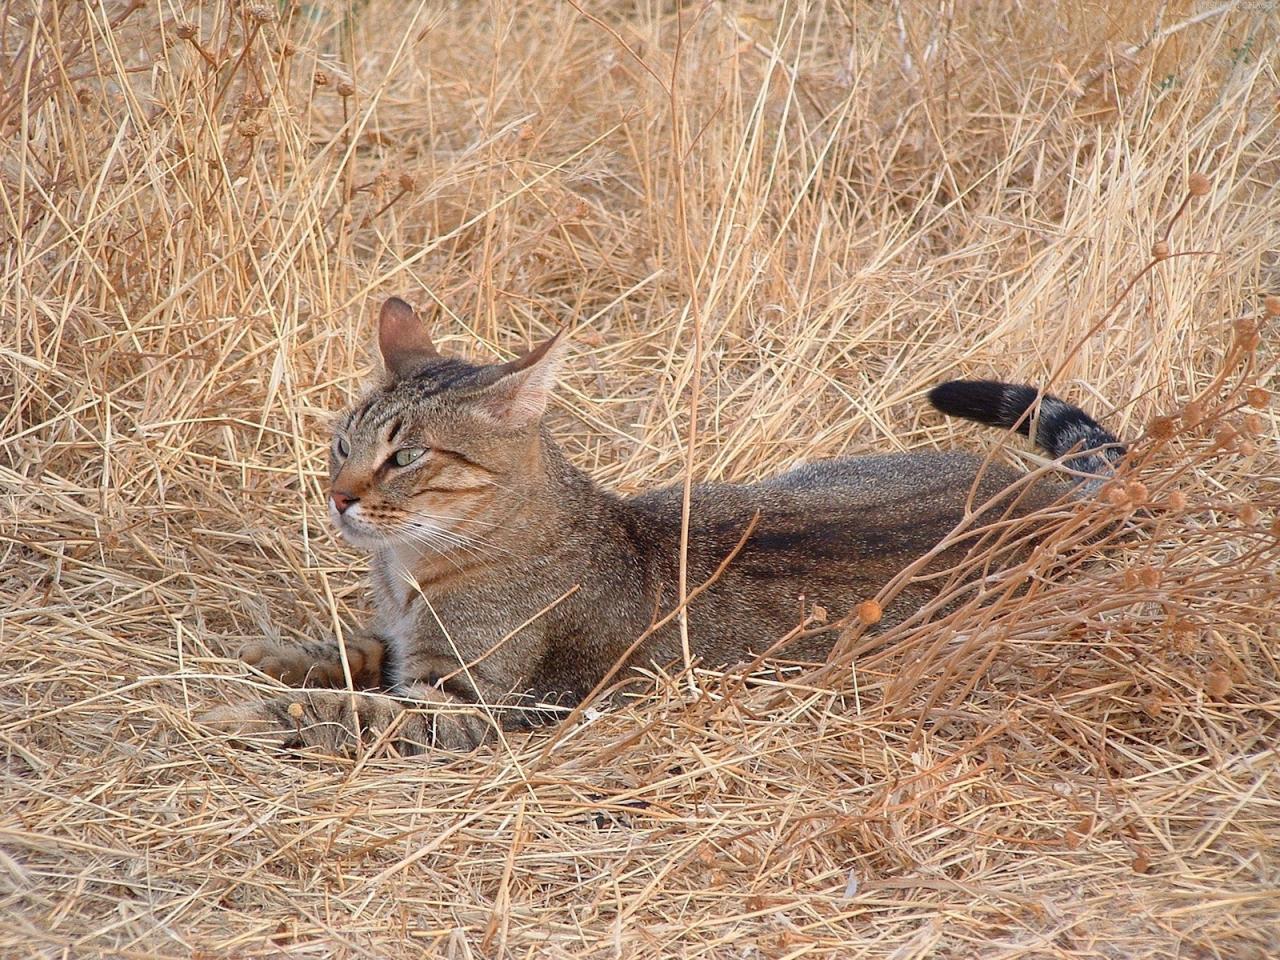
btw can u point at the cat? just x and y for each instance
(505, 581)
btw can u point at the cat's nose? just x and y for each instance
(342, 500)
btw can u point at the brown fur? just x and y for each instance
(528, 582)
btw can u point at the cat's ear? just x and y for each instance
(403, 339)
(518, 395)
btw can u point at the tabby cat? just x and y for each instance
(505, 580)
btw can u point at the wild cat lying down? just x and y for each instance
(504, 578)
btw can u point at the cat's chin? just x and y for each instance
(356, 537)
(362, 541)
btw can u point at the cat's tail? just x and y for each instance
(1060, 427)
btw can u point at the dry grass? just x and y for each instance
(791, 218)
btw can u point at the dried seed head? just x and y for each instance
(1131, 580)
(295, 711)
(1217, 683)
(1141, 863)
(1162, 428)
(1247, 448)
(1152, 705)
(1192, 414)
(1115, 495)
(1249, 515)
(346, 88)
(185, 30)
(1271, 304)
(1137, 492)
(1197, 185)
(288, 49)
(249, 128)
(1225, 436)
(1275, 528)
(1149, 576)
(869, 612)
(1247, 336)
(321, 79)
(406, 183)
(261, 13)
(1252, 424)
(1177, 500)
(1258, 397)
(1160, 250)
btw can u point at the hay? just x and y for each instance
(791, 219)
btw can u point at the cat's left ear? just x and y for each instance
(403, 339)
(519, 394)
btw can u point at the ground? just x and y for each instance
(769, 229)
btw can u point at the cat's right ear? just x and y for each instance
(403, 339)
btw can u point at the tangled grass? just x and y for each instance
(770, 228)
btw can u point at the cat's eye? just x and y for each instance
(402, 458)
(341, 447)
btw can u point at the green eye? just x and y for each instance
(341, 446)
(402, 458)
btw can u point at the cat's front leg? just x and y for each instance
(319, 663)
(338, 722)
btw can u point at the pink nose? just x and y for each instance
(342, 500)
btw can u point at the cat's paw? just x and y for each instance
(255, 724)
(289, 665)
(331, 720)
(338, 722)
(320, 666)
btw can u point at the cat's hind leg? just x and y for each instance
(319, 663)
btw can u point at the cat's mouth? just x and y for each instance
(429, 535)
(355, 529)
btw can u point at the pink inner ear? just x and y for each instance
(403, 338)
(521, 395)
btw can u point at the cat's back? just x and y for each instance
(874, 482)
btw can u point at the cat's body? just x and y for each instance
(504, 577)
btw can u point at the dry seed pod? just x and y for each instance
(1137, 492)
(1177, 500)
(1162, 428)
(1249, 515)
(1253, 424)
(1149, 576)
(321, 79)
(1192, 413)
(346, 88)
(1197, 185)
(1160, 250)
(869, 612)
(1217, 683)
(1271, 304)
(261, 13)
(1258, 397)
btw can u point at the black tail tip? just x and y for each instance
(980, 400)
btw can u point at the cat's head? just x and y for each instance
(442, 449)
